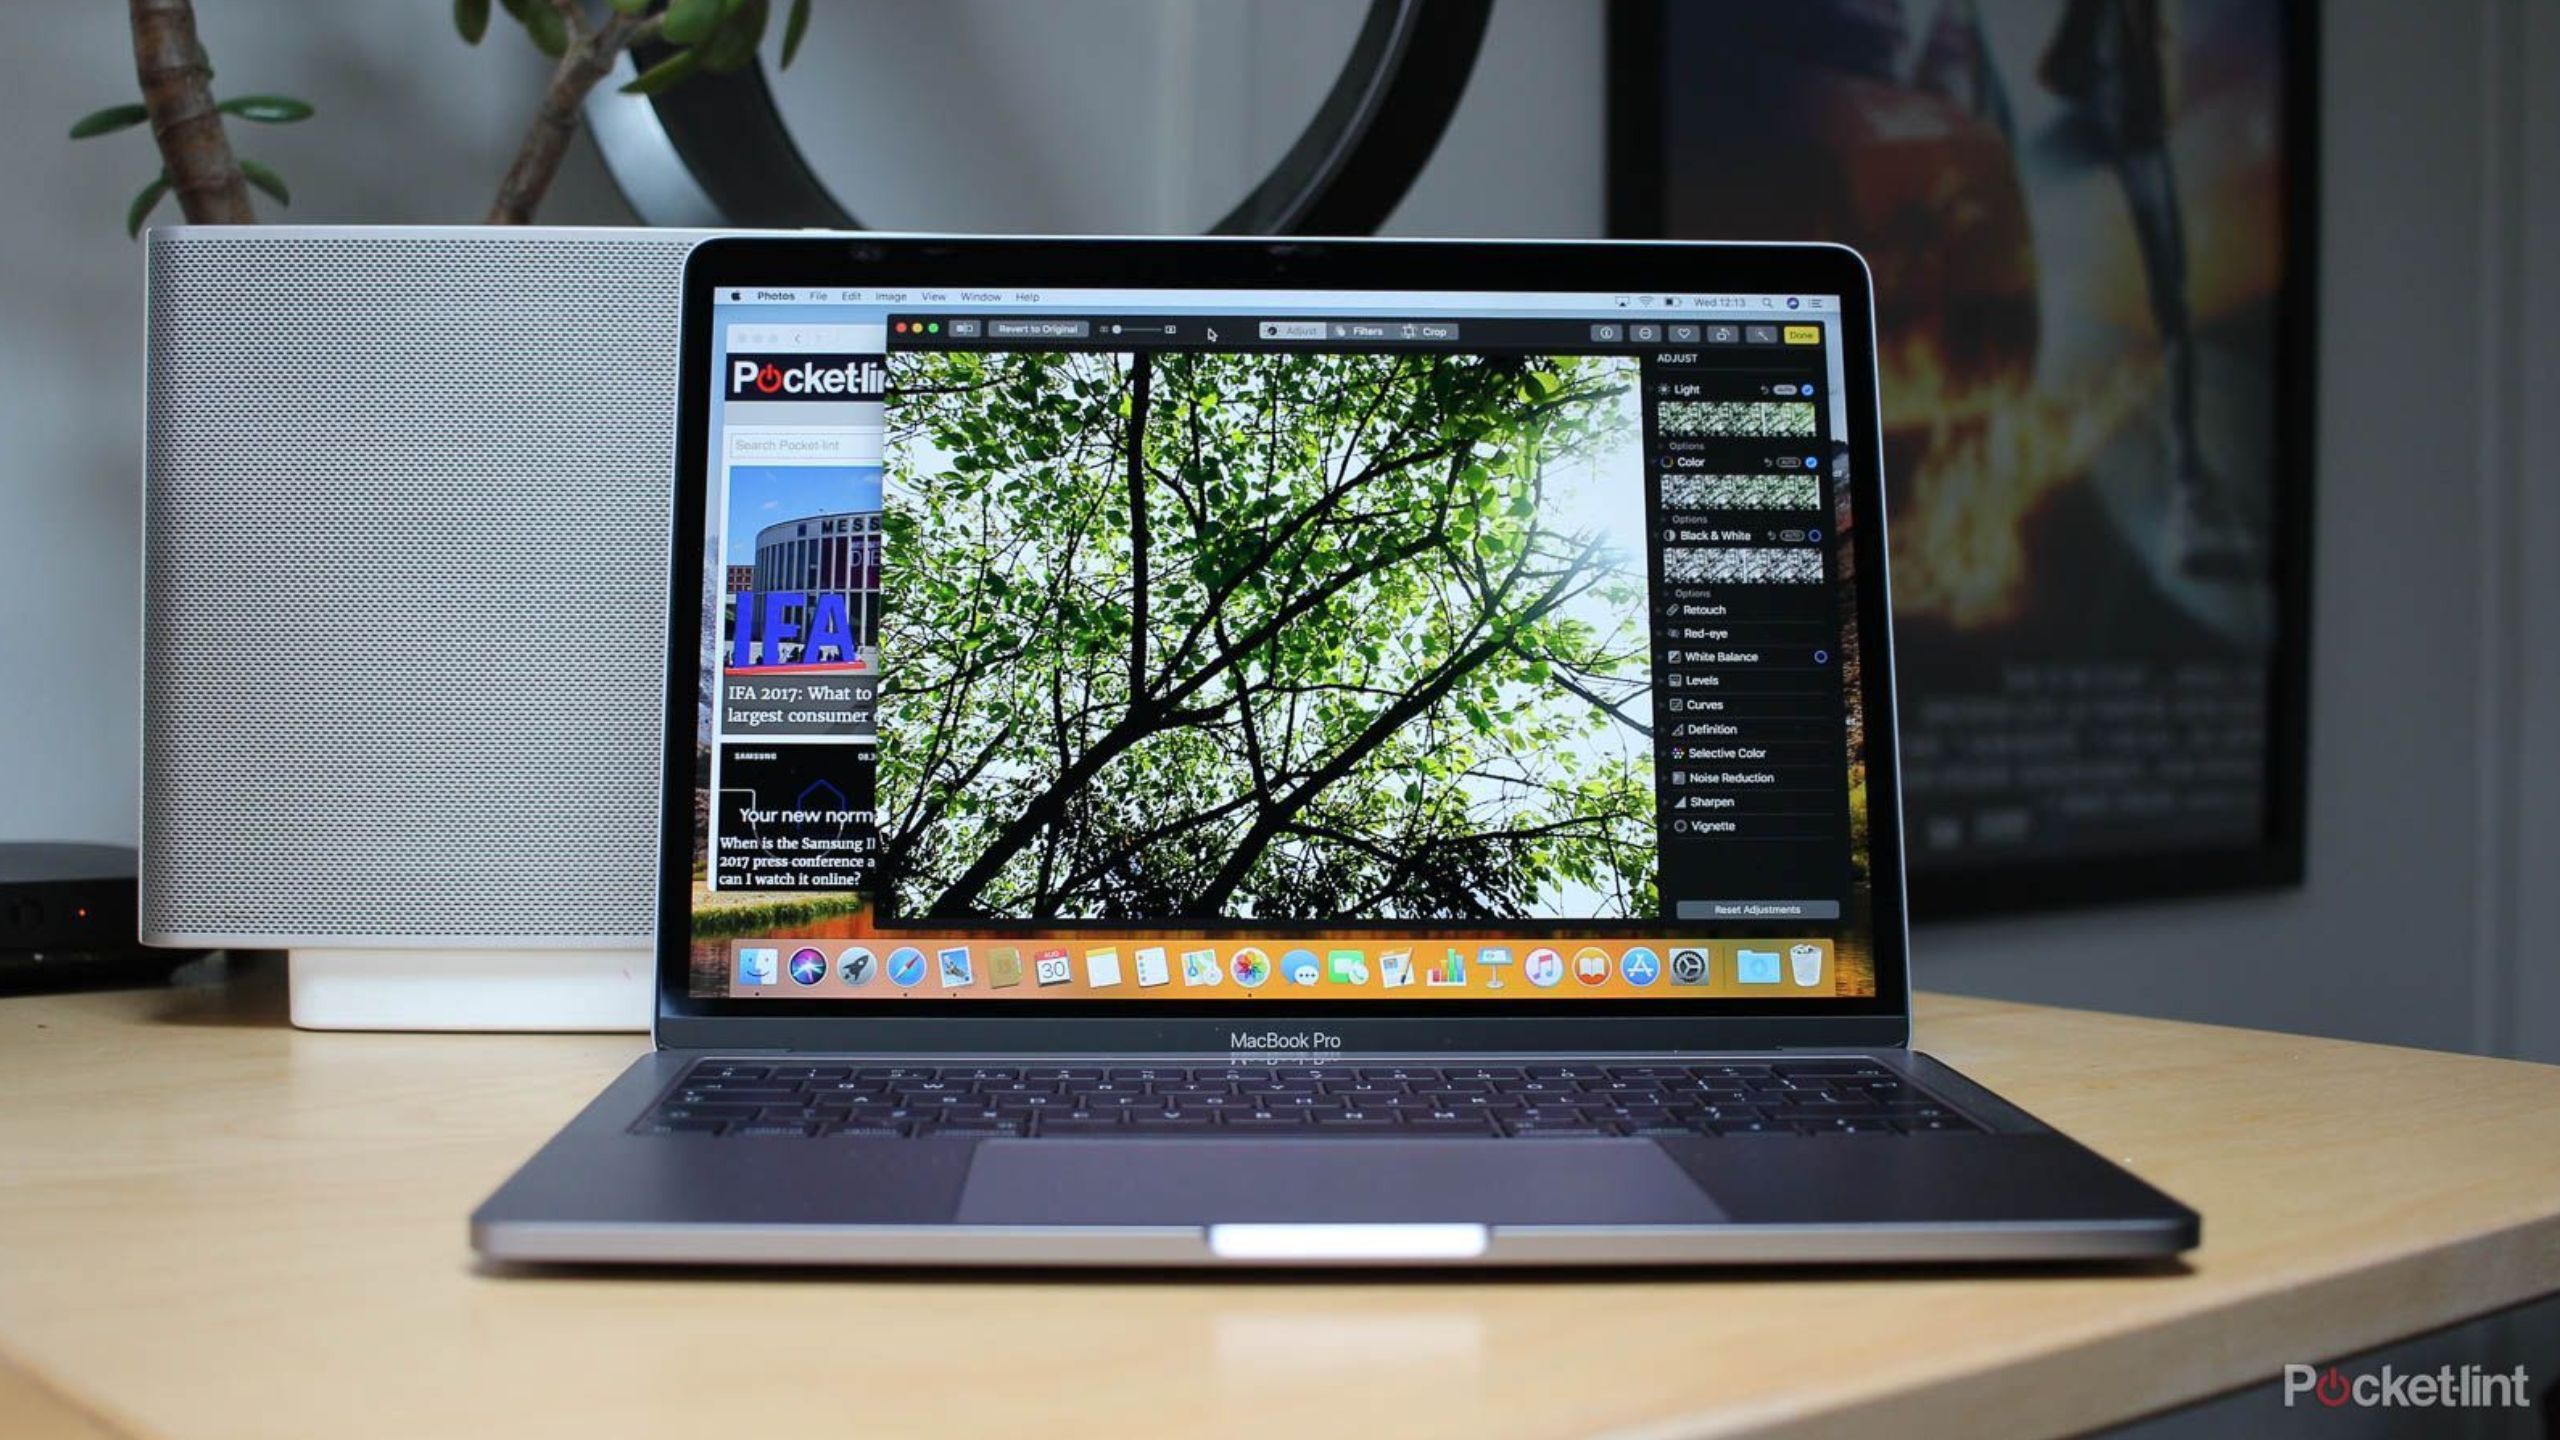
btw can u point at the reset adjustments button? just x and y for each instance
(1759, 910)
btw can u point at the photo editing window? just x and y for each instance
(1142, 645)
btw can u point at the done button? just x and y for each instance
(1804, 334)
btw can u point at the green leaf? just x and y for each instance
(665, 74)
(471, 20)
(140, 209)
(267, 180)
(631, 7)
(109, 120)
(688, 22)
(793, 28)
(267, 109)
(550, 33)
(732, 47)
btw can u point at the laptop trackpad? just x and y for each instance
(1203, 1182)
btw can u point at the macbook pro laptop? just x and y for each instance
(1287, 752)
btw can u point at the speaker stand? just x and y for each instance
(456, 989)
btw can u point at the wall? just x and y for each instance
(2436, 737)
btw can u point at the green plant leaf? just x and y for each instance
(109, 120)
(732, 47)
(267, 180)
(688, 22)
(140, 209)
(631, 7)
(550, 33)
(794, 27)
(665, 74)
(471, 20)
(267, 109)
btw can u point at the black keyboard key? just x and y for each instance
(763, 1130)
(800, 1115)
(1753, 1127)
(853, 1130)
(740, 1089)
(1554, 1114)
(1523, 1129)
(727, 1072)
(1609, 1085)
(1427, 1126)
(1064, 1125)
(1207, 1104)
(688, 1126)
(1122, 1101)
(1817, 1114)
(1028, 1104)
(1392, 1102)
(706, 1112)
(1061, 1072)
(811, 1072)
(970, 1129)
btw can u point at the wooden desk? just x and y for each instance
(211, 1225)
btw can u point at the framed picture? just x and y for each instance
(2091, 227)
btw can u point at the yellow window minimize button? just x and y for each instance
(1804, 334)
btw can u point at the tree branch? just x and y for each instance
(1561, 674)
(586, 62)
(1141, 387)
(177, 88)
(1432, 691)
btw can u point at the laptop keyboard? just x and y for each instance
(816, 1099)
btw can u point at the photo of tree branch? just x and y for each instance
(1264, 636)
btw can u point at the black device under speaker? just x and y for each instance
(67, 919)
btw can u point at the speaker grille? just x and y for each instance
(405, 569)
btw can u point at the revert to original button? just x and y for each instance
(1039, 329)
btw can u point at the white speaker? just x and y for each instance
(405, 568)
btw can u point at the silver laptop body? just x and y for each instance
(1352, 752)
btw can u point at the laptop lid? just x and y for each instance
(1213, 645)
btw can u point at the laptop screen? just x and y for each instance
(1151, 645)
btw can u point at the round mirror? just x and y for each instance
(1110, 116)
